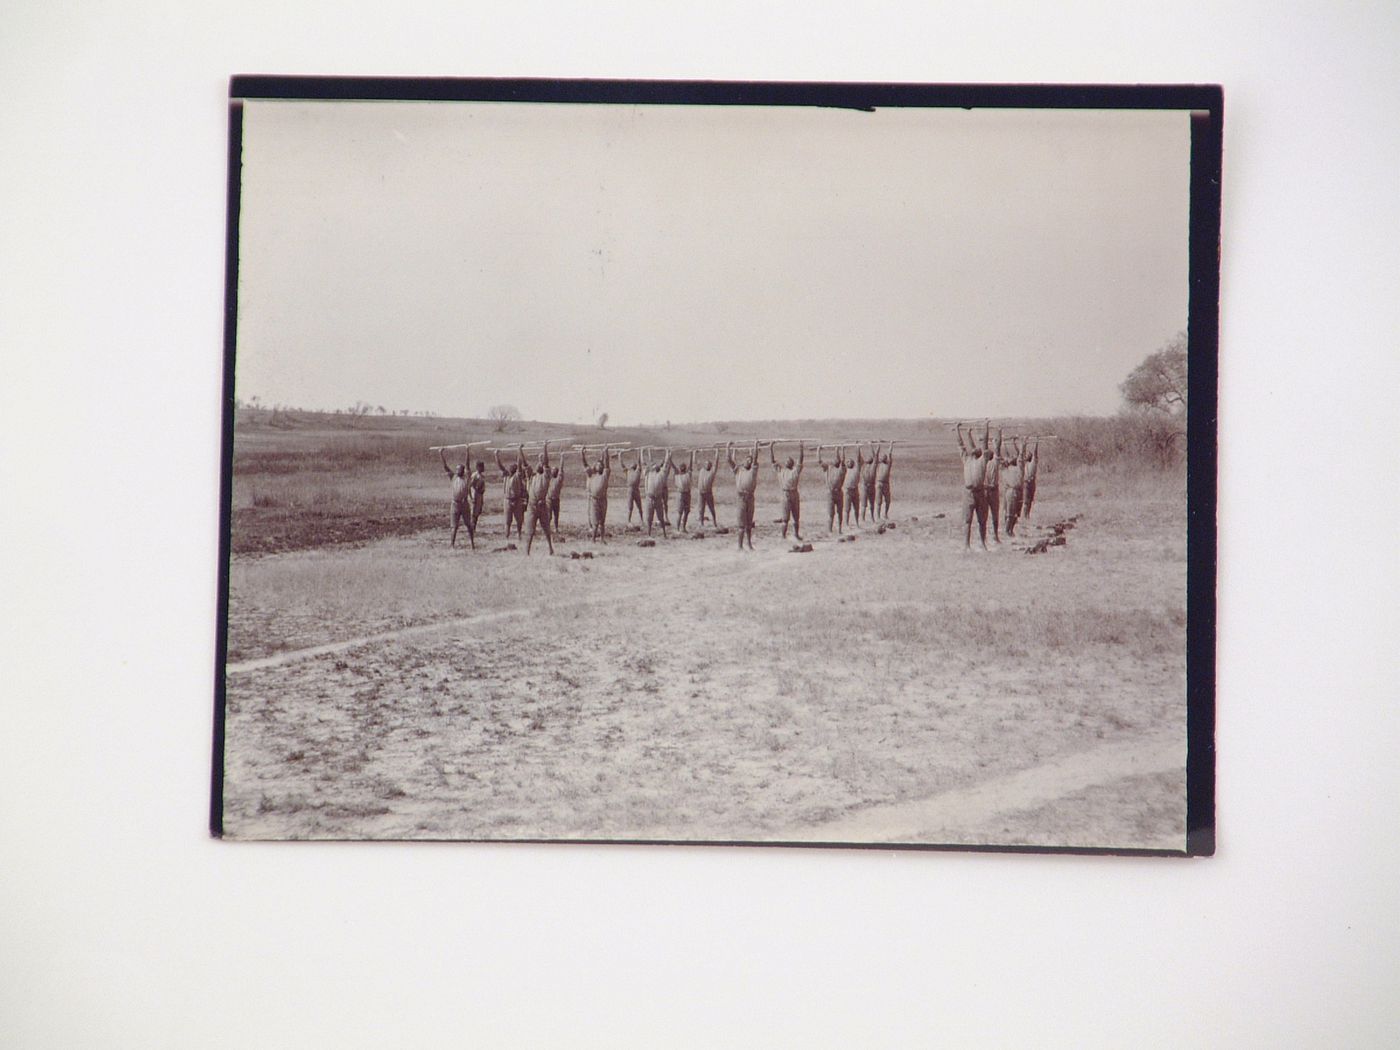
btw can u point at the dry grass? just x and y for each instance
(692, 691)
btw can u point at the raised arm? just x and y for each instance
(546, 455)
(755, 452)
(583, 457)
(607, 463)
(891, 453)
(772, 457)
(499, 464)
(729, 454)
(998, 442)
(801, 455)
(692, 461)
(445, 467)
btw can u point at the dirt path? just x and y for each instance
(977, 806)
(294, 655)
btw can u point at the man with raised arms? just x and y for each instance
(597, 478)
(478, 487)
(867, 483)
(834, 475)
(974, 494)
(991, 478)
(461, 513)
(663, 494)
(633, 477)
(745, 485)
(513, 484)
(882, 480)
(1029, 472)
(854, 468)
(1012, 487)
(788, 475)
(556, 488)
(705, 482)
(685, 476)
(655, 491)
(537, 495)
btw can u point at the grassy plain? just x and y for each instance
(384, 685)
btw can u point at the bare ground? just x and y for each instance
(689, 691)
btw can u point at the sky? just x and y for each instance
(693, 263)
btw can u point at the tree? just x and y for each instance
(1159, 383)
(603, 421)
(502, 416)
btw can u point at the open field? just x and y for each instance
(891, 689)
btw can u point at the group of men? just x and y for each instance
(998, 482)
(852, 486)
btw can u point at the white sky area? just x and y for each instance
(693, 263)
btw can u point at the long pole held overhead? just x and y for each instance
(449, 448)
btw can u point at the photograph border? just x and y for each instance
(1204, 103)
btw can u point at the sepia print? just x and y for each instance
(791, 464)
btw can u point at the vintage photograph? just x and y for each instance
(636, 468)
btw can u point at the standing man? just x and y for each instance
(556, 487)
(745, 486)
(633, 476)
(685, 475)
(597, 478)
(991, 478)
(834, 475)
(867, 483)
(882, 480)
(663, 496)
(788, 475)
(537, 494)
(461, 512)
(854, 467)
(705, 482)
(656, 491)
(478, 487)
(1029, 471)
(974, 494)
(1012, 486)
(513, 484)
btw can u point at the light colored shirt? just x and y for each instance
(656, 482)
(835, 476)
(991, 468)
(598, 484)
(973, 470)
(787, 476)
(538, 486)
(745, 481)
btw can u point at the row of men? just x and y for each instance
(998, 482)
(852, 486)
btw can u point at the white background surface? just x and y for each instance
(123, 925)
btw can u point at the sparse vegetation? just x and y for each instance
(856, 675)
(502, 416)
